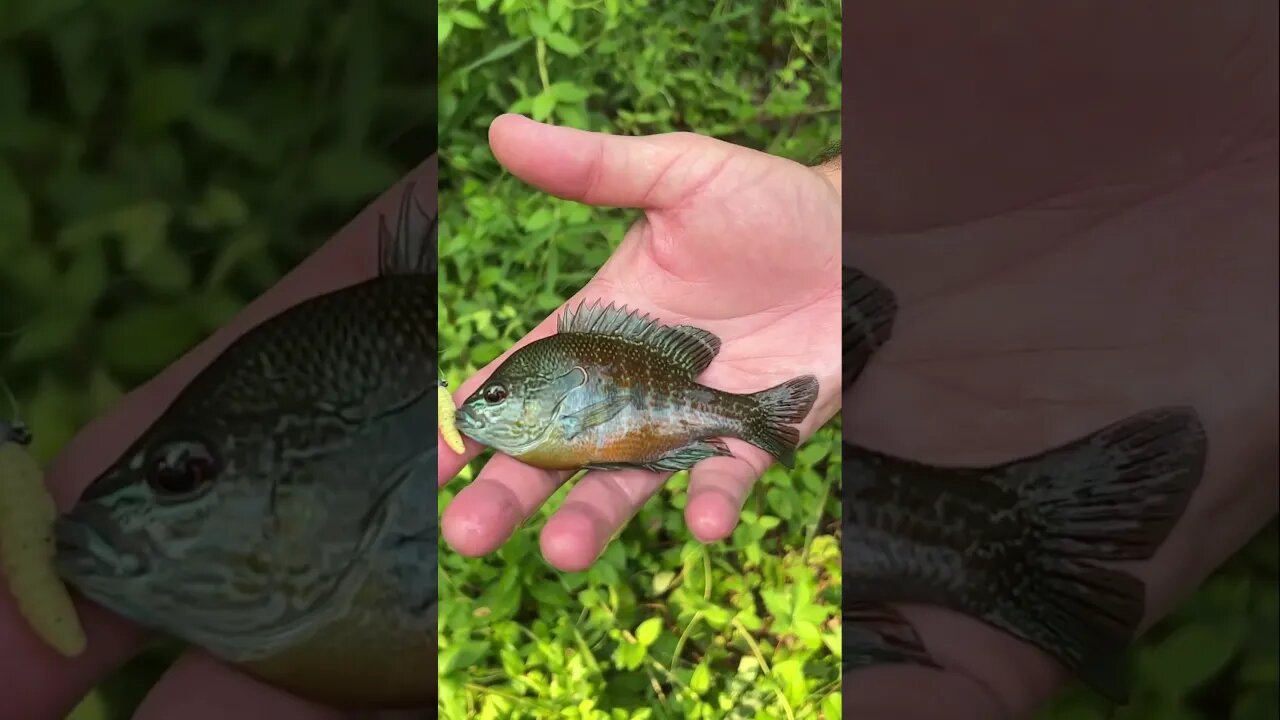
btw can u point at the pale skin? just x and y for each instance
(1130, 262)
(734, 241)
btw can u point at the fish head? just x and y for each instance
(172, 535)
(521, 402)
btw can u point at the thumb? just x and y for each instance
(656, 172)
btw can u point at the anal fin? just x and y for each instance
(681, 458)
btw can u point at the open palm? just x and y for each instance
(1057, 271)
(734, 241)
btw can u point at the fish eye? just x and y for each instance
(495, 394)
(181, 468)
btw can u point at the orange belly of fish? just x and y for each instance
(642, 444)
(364, 660)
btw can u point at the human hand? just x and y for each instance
(734, 241)
(1056, 272)
(40, 684)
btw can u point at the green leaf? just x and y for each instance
(648, 631)
(700, 681)
(15, 211)
(347, 174)
(146, 338)
(628, 655)
(496, 54)
(1192, 654)
(94, 706)
(832, 708)
(165, 271)
(46, 335)
(467, 19)
(142, 230)
(550, 594)
(86, 278)
(541, 218)
(443, 29)
(662, 581)
(568, 92)
(790, 674)
(461, 657)
(563, 44)
(220, 208)
(539, 26)
(543, 104)
(162, 94)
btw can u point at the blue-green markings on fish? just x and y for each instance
(1017, 544)
(281, 511)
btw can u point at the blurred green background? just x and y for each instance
(163, 163)
(660, 626)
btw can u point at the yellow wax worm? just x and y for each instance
(448, 429)
(27, 550)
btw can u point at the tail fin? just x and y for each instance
(875, 634)
(777, 408)
(412, 250)
(867, 321)
(1113, 495)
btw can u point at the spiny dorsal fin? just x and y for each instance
(688, 347)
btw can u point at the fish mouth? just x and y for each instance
(92, 547)
(464, 419)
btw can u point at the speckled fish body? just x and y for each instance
(281, 512)
(1017, 544)
(615, 389)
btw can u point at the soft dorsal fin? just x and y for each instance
(690, 348)
(412, 249)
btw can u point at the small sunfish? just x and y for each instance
(1016, 544)
(615, 389)
(281, 511)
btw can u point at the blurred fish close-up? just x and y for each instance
(280, 512)
(1016, 544)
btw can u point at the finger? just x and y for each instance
(656, 172)
(199, 686)
(595, 509)
(909, 692)
(41, 683)
(718, 487)
(504, 494)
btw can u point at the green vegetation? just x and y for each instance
(661, 626)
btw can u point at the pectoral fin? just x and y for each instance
(593, 415)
